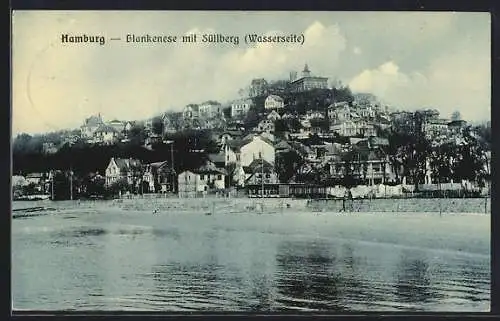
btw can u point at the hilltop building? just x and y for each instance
(308, 82)
(90, 125)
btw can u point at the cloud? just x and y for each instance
(68, 83)
(459, 82)
(409, 59)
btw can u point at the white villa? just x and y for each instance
(274, 102)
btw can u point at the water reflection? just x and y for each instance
(413, 283)
(204, 263)
(309, 277)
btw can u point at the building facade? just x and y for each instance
(210, 109)
(201, 181)
(257, 148)
(274, 102)
(90, 125)
(240, 108)
(309, 82)
(128, 169)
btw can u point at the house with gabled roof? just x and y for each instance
(265, 125)
(219, 159)
(200, 181)
(123, 168)
(159, 177)
(274, 102)
(105, 134)
(249, 148)
(118, 125)
(259, 171)
(90, 125)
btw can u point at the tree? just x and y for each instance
(137, 134)
(293, 124)
(287, 165)
(157, 125)
(280, 126)
(251, 119)
(121, 185)
(456, 116)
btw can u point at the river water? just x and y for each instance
(107, 258)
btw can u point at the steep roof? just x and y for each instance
(211, 102)
(209, 168)
(194, 107)
(275, 97)
(282, 145)
(256, 166)
(105, 129)
(127, 164)
(217, 158)
(93, 121)
(158, 164)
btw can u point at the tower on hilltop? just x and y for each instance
(306, 72)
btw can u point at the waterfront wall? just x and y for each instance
(242, 205)
(434, 205)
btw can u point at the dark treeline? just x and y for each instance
(189, 151)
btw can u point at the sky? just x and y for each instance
(409, 60)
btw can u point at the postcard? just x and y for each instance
(251, 161)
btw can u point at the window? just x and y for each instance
(219, 177)
(260, 154)
(202, 177)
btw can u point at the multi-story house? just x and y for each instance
(435, 127)
(456, 126)
(257, 148)
(259, 171)
(367, 112)
(366, 166)
(159, 177)
(273, 102)
(105, 134)
(49, 148)
(191, 112)
(244, 151)
(240, 108)
(403, 122)
(311, 114)
(265, 125)
(128, 169)
(308, 82)
(192, 183)
(90, 125)
(117, 125)
(210, 109)
(258, 87)
(273, 115)
(37, 180)
(169, 123)
(352, 128)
